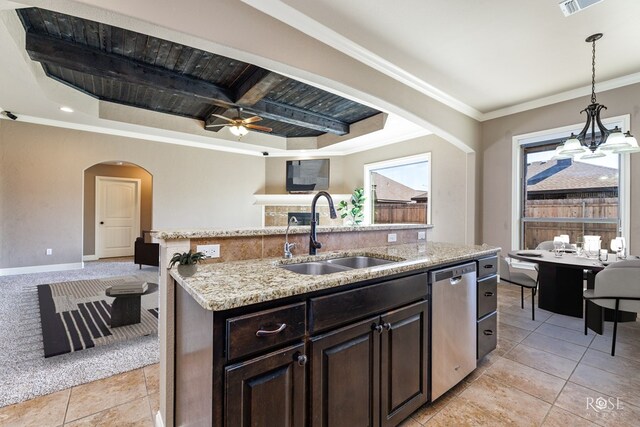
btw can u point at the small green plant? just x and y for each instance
(355, 212)
(186, 258)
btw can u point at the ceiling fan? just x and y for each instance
(239, 126)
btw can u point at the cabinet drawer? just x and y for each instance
(343, 307)
(254, 332)
(487, 335)
(487, 296)
(487, 266)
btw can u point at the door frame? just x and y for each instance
(99, 181)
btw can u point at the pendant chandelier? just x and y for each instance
(601, 141)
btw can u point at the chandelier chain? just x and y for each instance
(593, 73)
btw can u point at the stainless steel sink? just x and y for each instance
(314, 268)
(359, 261)
(335, 265)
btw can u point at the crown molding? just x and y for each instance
(562, 96)
(303, 23)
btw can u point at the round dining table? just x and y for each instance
(561, 282)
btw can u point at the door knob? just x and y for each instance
(101, 222)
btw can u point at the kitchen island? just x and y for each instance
(253, 339)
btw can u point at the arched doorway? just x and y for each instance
(117, 208)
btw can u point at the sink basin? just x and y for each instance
(359, 261)
(335, 265)
(314, 268)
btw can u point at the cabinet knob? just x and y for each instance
(302, 359)
(263, 333)
(387, 326)
(488, 332)
(377, 328)
(488, 294)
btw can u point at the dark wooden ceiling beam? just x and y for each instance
(256, 86)
(297, 116)
(92, 61)
(95, 62)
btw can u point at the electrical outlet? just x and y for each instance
(210, 251)
(392, 237)
(49, 251)
(422, 235)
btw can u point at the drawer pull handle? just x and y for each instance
(263, 333)
(488, 332)
(302, 359)
(488, 266)
(488, 294)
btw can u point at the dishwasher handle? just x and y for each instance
(455, 280)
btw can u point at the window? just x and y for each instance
(567, 196)
(398, 191)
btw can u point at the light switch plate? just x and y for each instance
(210, 251)
(422, 235)
(392, 237)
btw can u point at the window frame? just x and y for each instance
(517, 183)
(368, 167)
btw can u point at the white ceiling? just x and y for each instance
(484, 58)
(484, 55)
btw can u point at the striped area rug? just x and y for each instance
(76, 316)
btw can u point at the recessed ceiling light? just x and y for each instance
(66, 109)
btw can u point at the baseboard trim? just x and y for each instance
(159, 422)
(40, 268)
(93, 257)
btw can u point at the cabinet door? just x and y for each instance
(404, 362)
(345, 376)
(267, 391)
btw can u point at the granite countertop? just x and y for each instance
(266, 231)
(235, 284)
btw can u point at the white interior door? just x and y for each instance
(117, 216)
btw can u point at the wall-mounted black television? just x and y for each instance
(304, 176)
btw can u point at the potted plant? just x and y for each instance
(353, 214)
(186, 262)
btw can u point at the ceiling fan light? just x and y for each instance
(238, 130)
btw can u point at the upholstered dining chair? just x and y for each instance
(522, 280)
(547, 245)
(617, 287)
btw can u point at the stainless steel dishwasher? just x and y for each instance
(453, 326)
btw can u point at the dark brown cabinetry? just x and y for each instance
(268, 391)
(487, 305)
(373, 372)
(353, 356)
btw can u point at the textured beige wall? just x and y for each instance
(449, 213)
(452, 182)
(496, 153)
(124, 171)
(41, 176)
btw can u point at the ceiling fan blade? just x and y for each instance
(252, 119)
(258, 127)
(221, 124)
(222, 117)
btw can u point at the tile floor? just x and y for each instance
(544, 372)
